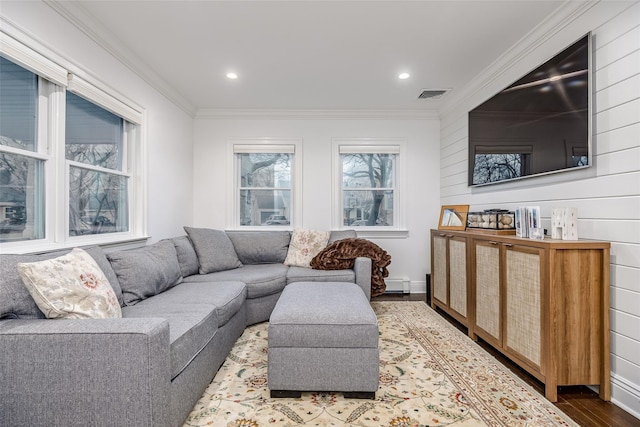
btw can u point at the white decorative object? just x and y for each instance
(564, 223)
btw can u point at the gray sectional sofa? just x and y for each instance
(184, 303)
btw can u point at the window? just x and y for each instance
(68, 150)
(21, 165)
(369, 195)
(94, 147)
(264, 174)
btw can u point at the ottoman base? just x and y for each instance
(277, 394)
(323, 337)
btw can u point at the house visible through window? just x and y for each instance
(264, 184)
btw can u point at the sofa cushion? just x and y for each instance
(214, 249)
(303, 274)
(15, 300)
(146, 271)
(341, 234)
(304, 245)
(71, 286)
(98, 254)
(261, 279)
(191, 327)
(187, 257)
(260, 247)
(226, 297)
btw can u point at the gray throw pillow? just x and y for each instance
(187, 257)
(214, 248)
(146, 271)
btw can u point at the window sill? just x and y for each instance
(371, 233)
(111, 243)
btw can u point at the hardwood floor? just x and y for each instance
(579, 402)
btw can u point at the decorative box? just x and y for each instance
(491, 220)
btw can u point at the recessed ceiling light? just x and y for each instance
(403, 76)
(232, 76)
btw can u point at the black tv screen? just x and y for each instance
(540, 124)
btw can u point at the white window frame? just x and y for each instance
(53, 81)
(237, 145)
(396, 146)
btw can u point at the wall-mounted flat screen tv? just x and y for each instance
(540, 124)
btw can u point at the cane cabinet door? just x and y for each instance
(488, 294)
(523, 289)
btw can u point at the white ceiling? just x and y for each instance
(308, 54)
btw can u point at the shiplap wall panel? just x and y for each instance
(625, 301)
(453, 180)
(619, 162)
(459, 168)
(625, 254)
(617, 71)
(607, 194)
(458, 145)
(616, 94)
(618, 139)
(619, 116)
(623, 323)
(618, 48)
(623, 277)
(624, 346)
(624, 368)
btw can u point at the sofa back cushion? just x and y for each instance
(214, 248)
(260, 247)
(341, 234)
(187, 257)
(15, 300)
(147, 271)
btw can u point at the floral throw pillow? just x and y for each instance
(70, 287)
(304, 245)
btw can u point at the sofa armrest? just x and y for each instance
(106, 372)
(362, 269)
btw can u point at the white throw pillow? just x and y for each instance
(70, 287)
(304, 245)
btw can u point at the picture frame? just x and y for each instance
(453, 217)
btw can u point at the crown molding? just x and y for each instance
(80, 18)
(560, 19)
(256, 114)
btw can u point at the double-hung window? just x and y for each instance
(94, 151)
(22, 153)
(265, 176)
(68, 152)
(368, 188)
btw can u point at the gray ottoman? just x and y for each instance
(323, 336)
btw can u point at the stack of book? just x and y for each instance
(528, 222)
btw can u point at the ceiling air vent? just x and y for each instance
(432, 93)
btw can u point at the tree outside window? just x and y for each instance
(368, 189)
(265, 188)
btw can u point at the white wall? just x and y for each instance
(168, 129)
(607, 196)
(213, 172)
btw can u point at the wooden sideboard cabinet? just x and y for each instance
(450, 275)
(542, 303)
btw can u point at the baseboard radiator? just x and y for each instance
(399, 285)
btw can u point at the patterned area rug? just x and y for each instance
(431, 374)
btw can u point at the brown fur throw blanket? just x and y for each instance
(341, 254)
